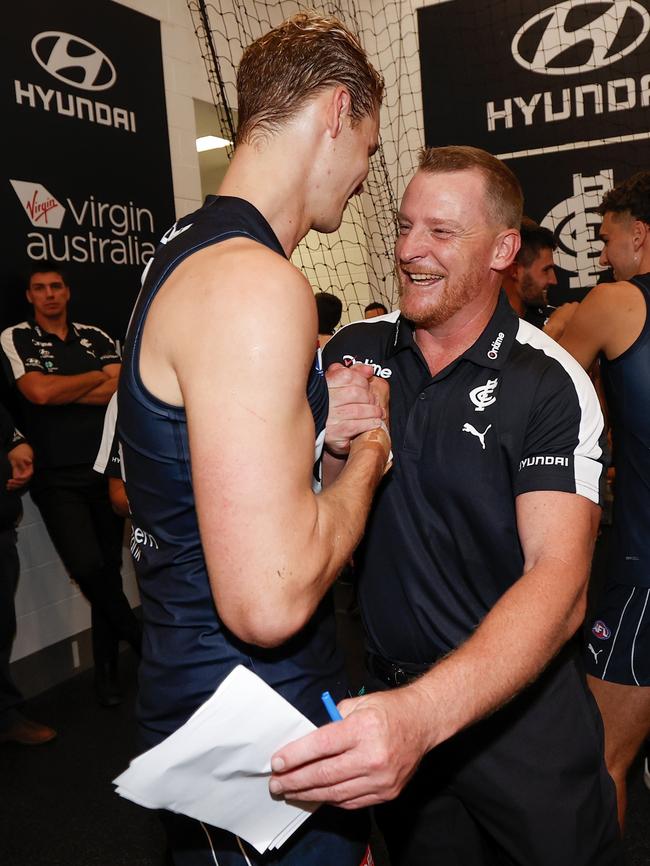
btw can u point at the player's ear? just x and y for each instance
(640, 233)
(338, 109)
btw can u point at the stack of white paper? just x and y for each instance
(216, 768)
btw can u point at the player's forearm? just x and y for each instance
(100, 394)
(514, 643)
(344, 504)
(55, 390)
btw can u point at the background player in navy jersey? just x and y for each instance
(222, 407)
(474, 566)
(612, 322)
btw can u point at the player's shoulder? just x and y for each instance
(610, 293)
(247, 263)
(611, 299)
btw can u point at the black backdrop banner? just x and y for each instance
(560, 91)
(88, 172)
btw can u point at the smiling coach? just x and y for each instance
(474, 568)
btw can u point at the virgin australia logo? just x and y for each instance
(41, 207)
(73, 60)
(580, 36)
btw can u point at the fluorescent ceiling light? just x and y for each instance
(211, 142)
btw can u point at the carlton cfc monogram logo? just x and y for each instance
(73, 60)
(482, 396)
(579, 36)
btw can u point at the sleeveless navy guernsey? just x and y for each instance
(627, 386)
(187, 650)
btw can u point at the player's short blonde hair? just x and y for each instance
(290, 64)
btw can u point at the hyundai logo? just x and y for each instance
(73, 60)
(580, 36)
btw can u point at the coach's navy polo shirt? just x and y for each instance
(515, 413)
(66, 434)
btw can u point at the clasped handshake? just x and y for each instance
(358, 411)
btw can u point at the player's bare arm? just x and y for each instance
(607, 320)
(272, 546)
(369, 756)
(559, 319)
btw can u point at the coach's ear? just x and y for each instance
(506, 247)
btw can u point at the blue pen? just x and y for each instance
(330, 706)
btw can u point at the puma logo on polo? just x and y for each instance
(468, 428)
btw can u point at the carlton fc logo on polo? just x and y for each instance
(73, 60)
(580, 36)
(482, 397)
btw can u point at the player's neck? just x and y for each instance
(271, 180)
(644, 264)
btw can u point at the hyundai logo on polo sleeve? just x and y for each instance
(580, 35)
(73, 60)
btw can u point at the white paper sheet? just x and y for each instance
(216, 767)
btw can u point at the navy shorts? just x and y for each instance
(617, 646)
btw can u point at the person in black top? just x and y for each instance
(16, 468)
(474, 567)
(109, 461)
(222, 416)
(329, 309)
(65, 373)
(613, 323)
(527, 281)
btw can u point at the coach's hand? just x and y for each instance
(363, 760)
(357, 403)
